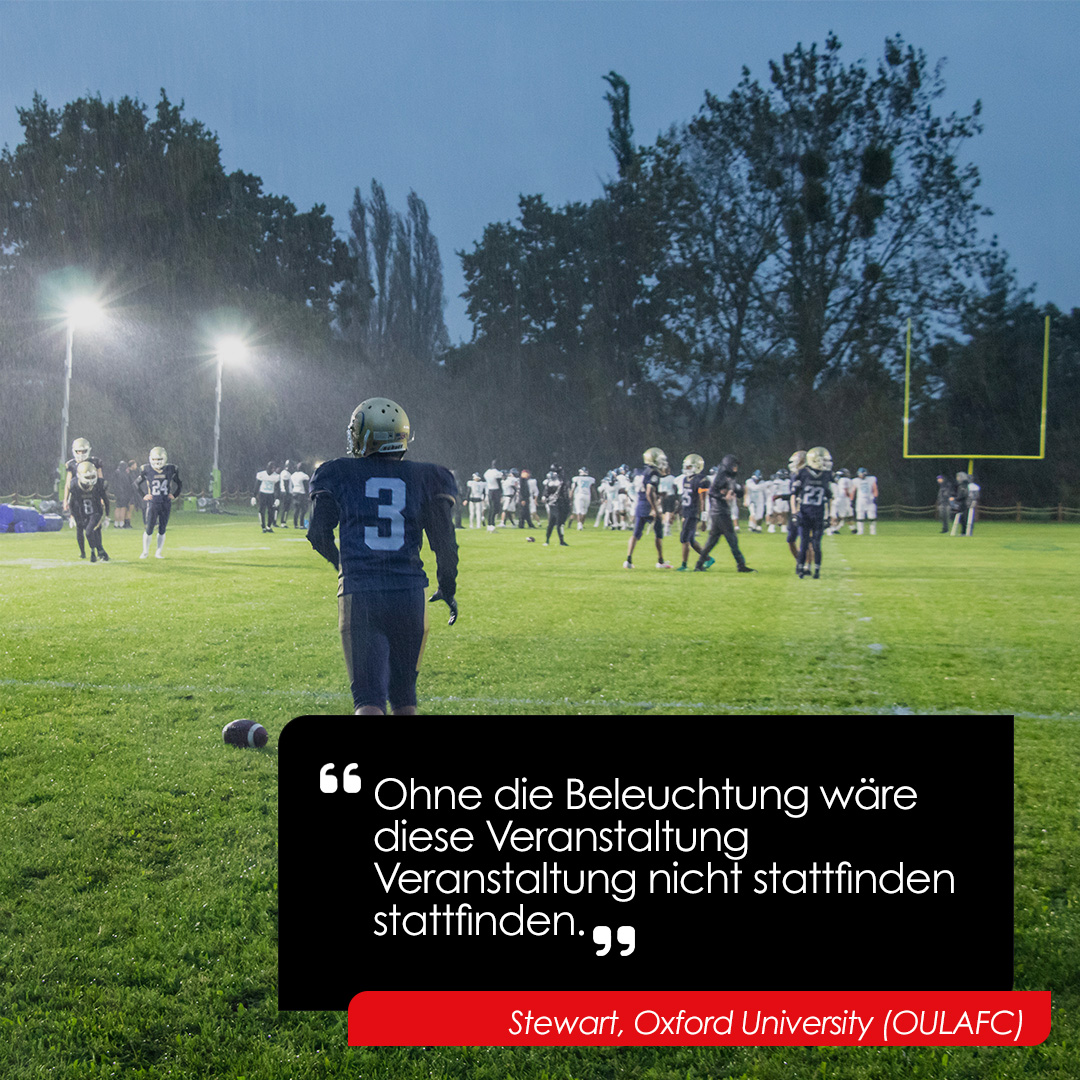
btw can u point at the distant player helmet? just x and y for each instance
(818, 458)
(757, 474)
(476, 476)
(861, 472)
(693, 463)
(962, 478)
(796, 461)
(80, 449)
(378, 426)
(86, 474)
(158, 457)
(657, 458)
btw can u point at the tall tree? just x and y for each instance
(832, 201)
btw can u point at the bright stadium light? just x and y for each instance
(81, 313)
(228, 350)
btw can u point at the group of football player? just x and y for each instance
(86, 498)
(279, 492)
(707, 501)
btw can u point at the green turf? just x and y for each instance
(137, 854)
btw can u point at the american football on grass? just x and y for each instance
(244, 733)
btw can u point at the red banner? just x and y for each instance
(699, 1018)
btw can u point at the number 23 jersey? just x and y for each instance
(383, 507)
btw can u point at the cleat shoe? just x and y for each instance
(563, 543)
(663, 566)
(82, 555)
(93, 556)
(159, 554)
(817, 573)
(744, 569)
(145, 555)
(104, 557)
(683, 567)
(707, 563)
(699, 569)
(628, 565)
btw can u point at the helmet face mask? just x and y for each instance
(693, 463)
(378, 426)
(819, 459)
(86, 475)
(158, 458)
(656, 457)
(80, 449)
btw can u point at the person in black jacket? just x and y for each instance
(724, 486)
(557, 497)
(946, 492)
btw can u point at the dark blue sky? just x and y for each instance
(472, 104)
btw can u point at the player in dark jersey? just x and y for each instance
(557, 500)
(811, 486)
(382, 506)
(723, 486)
(159, 485)
(80, 452)
(693, 475)
(648, 506)
(88, 502)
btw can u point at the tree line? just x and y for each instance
(741, 284)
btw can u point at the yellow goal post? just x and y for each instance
(971, 458)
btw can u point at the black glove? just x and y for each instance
(450, 602)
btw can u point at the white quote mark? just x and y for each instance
(328, 782)
(625, 935)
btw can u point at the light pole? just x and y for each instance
(231, 349)
(84, 314)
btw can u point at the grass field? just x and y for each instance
(138, 868)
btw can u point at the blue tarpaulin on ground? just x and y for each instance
(21, 519)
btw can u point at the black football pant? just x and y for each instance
(722, 525)
(266, 509)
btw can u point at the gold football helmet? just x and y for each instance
(158, 458)
(819, 459)
(796, 461)
(86, 475)
(657, 458)
(378, 426)
(693, 464)
(80, 449)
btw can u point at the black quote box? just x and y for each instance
(910, 935)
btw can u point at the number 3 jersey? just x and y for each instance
(382, 507)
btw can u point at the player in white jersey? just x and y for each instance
(866, 493)
(493, 494)
(841, 489)
(606, 490)
(781, 500)
(581, 495)
(754, 500)
(625, 496)
(476, 488)
(509, 496)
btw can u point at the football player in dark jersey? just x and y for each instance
(89, 505)
(693, 473)
(80, 452)
(158, 483)
(811, 486)
(723, 486)
(557, 500)
(648, 506)
(382, 506)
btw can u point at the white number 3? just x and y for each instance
(391, 511)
